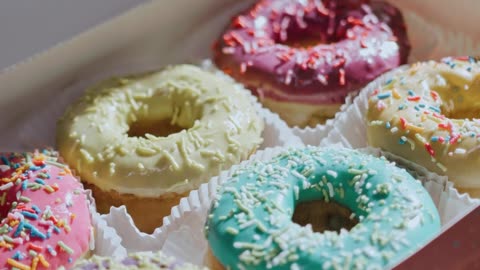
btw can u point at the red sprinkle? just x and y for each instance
(454, 139)
(341, 74)
(430, 149)
(35, 247)
(404, 123)
(414, 98)
(447, 126)
(434, 95)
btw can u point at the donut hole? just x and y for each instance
(159, 128)
(323, 216)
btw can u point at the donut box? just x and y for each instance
(154, 35)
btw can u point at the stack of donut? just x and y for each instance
(146, 140)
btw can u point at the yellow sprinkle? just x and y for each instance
(43, 261)
(414, 128)
(17, 264)
(49, 189)
(396, 95)
(35, 263)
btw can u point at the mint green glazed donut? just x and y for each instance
(249, 225)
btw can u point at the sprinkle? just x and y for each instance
(430, 149)
(460, 151)
(24, 199)
(6, 186)
(17, 264)
(384, 95)
(403, 122)
(29, 215)
(65, 248)
(341, 74)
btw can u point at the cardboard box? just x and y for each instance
(168, 32)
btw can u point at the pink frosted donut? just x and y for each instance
(302, 58)
(45, 218)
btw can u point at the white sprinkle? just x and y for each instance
(330, 189)
(6, 186)
(394, 130)
(460, 151)
(4, 168)
(334, 174)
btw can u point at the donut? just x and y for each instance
(302, 58)
(139, 260)
(426, 114)
(249, 225)
(146, 140)
(45, 217)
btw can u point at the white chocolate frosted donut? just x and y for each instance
(427, 113)
(220, 125)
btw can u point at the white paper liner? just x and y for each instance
(428, 40)
(106, 241)
(182, 234)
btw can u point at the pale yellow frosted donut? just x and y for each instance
(220, 128)
(427, 114)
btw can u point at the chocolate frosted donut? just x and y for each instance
(302, 58)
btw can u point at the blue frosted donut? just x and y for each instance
(250, 222)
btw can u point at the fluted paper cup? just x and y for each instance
(182, 234)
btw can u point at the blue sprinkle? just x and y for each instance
(434, 139)
(17, 256)
(469, 69)
(387, 125)
(471, 59)
(36, 233)
(56, 229)
(36, 208)
(435, 109)
(411, 93)
(388, 82)
(40, 181)
(49, 234)
(402, 141)
(447, 138)
(421, 105)
(416, 108)
(401, 106)
(29, 215)
(35, 168)
(19, 229)
(384, 95)
(472, 134)
(24, 185)
(5, 161)
(70, 260)
(59, 177)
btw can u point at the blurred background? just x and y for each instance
(28, 27)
